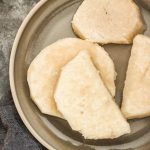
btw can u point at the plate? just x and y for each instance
(46, 23)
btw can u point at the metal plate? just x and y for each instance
(46, 23)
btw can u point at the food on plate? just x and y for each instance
(44, 70)
(85, 102)
(136, 96)
(108, 21)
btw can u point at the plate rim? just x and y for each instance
(11, 74)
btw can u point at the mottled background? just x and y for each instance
(13, 133)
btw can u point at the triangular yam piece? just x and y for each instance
(108, 21)
(44, 70)
(85, 103)
(136, 96)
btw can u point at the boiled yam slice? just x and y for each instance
(44, 71)
(136, 96)
(85, 103)
(108, 21)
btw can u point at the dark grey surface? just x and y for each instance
(13, 133)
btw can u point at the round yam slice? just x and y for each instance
(108, 21)
(44, 70)
(85, 103)
(136, 95)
